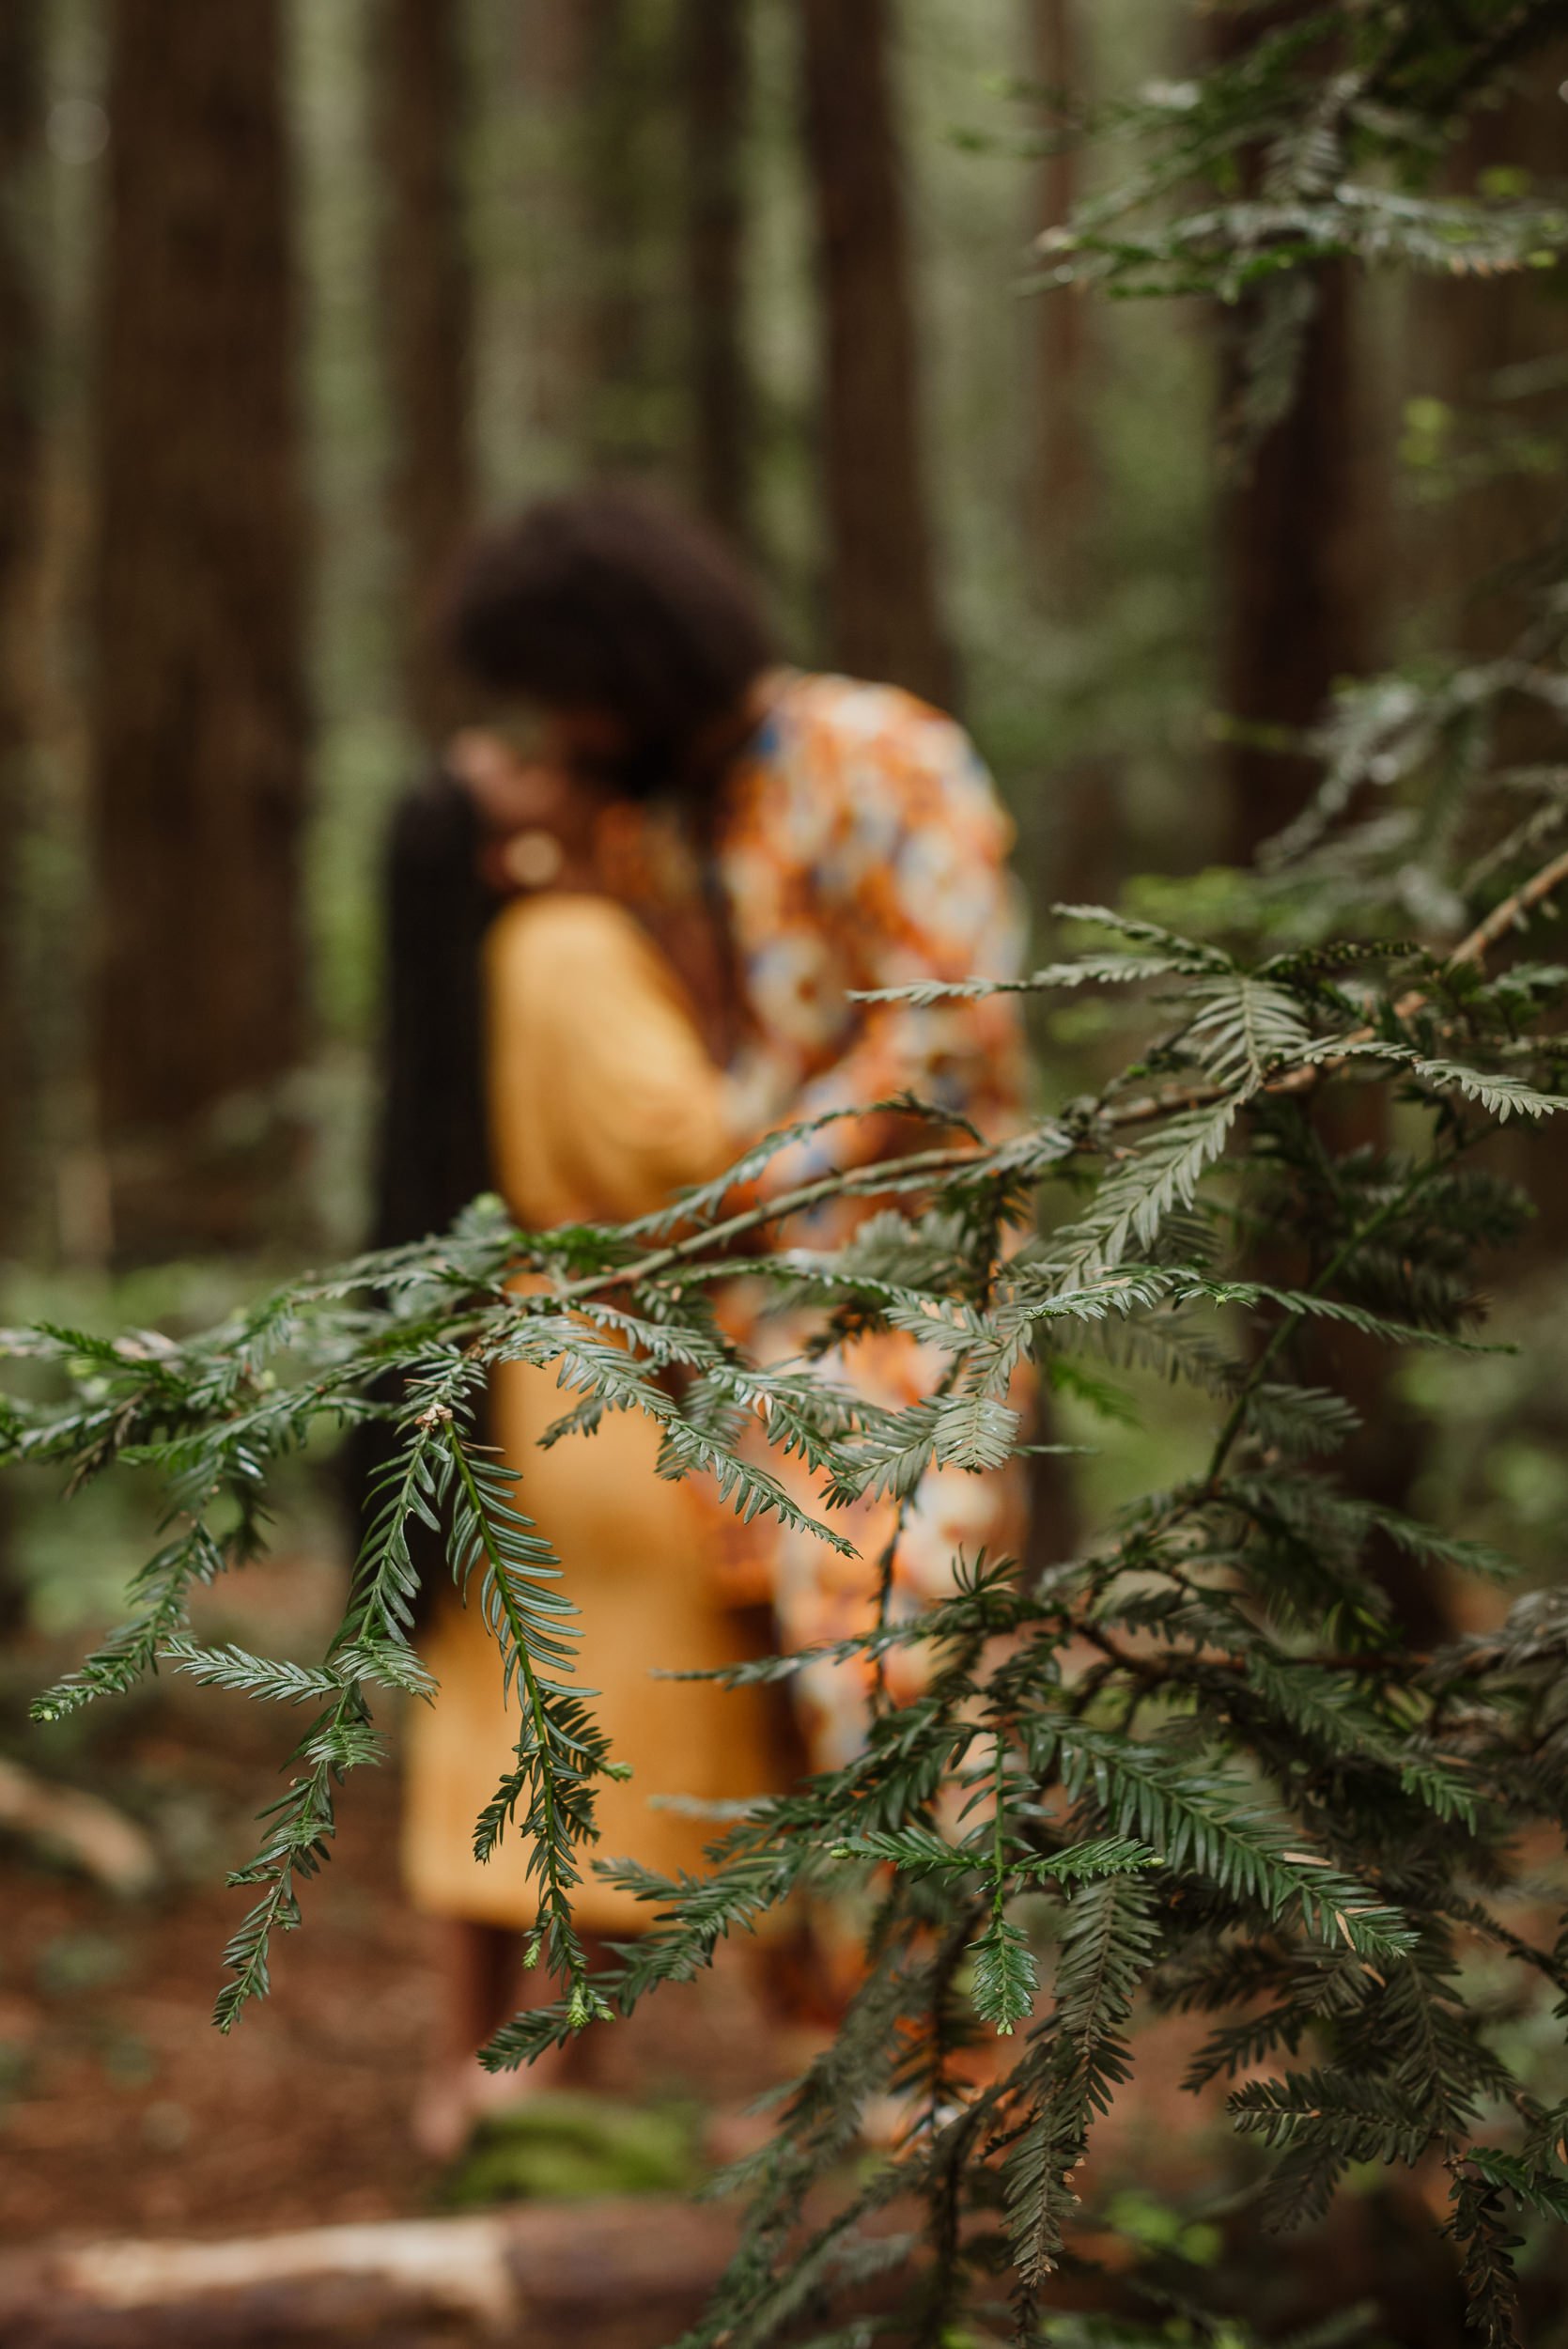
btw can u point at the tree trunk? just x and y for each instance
(1303, 585)
(1303, 567)
(1074, 831)
(1464, 332)
(428, 295)
(1304, 599)
(21, 437)
(199, 724)
(1060, 488)
(714, 65)
(21, 452)
(884, 619)
(1491, 351)
(1301, 578)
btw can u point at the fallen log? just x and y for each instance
(81, 1829)
(626, 2274)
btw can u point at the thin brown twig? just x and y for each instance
(1503, 917)
(1473, 948)
(912, 1173)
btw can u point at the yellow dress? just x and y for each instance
(602, 1102)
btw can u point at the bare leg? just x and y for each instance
(483, 1983)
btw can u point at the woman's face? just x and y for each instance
(542, 786)
(549, 770)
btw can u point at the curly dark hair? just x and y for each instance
(605, 600)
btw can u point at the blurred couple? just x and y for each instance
(625, 924)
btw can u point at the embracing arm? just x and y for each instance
(905, 867)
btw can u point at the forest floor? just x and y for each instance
(122, 2111)
(127, 2113)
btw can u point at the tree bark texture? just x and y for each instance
(1061, 483)
(884, 616)
(1305, 593)
(21, 455)
(199, 726)
(1486, 347)
(427, 302)
(1301, 575)
(715, 73)
(1492, 351)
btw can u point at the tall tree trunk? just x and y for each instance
(1074, 831)
(1464, 332)
(1475, 548)
(1304, 602)
(428, 298)
(714, 66)
(1060, 489)
(1302, 588)
(199, 749)
(21, 437)
(1302, 563)
(884, 615)
(21, 451)
(1301, 579)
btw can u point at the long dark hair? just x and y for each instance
(432, 1149)
(432, 1145)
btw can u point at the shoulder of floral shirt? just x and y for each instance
(859, 761)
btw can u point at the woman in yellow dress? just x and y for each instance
(602, 1102)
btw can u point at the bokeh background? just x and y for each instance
(290, 295)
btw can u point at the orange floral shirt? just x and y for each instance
(864, 847)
